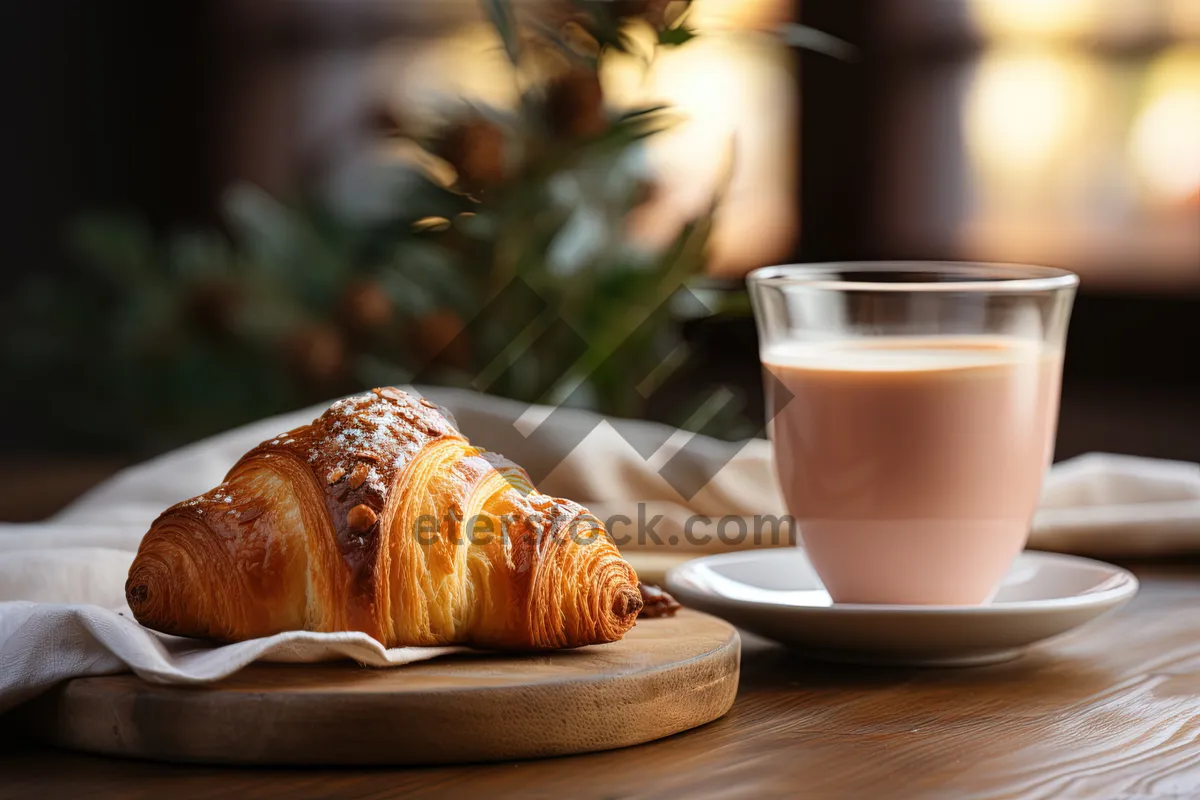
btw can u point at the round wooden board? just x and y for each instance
(665, 676)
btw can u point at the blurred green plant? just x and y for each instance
(299, 301)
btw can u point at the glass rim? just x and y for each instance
(978, 276)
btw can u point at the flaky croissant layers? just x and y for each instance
(380, 517)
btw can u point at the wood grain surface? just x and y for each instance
(1110, 711)
(665, 676)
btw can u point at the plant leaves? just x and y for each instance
(673, 37)
(803, 37)
(195, 254)
(603, 24)
(573, 42)
(419, 197)
(643, 122)
(118, 246)
(434, 269)
(431, 224)
(504, 21)
(264, 226)
(636, 125)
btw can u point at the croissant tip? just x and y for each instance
(136, 595)
(627, 603)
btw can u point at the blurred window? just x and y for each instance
(1054, 131)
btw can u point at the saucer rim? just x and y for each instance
(1126, 589)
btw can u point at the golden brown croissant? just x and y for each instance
(380, 517)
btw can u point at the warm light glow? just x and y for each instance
(710, 15)
(1024, 110)
(1165, 141)
(1183, 18)
(433, 79)
(1035, 17)
(736, 93)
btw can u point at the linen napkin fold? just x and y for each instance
(1113, 506)
(665, 495)
(42, 644)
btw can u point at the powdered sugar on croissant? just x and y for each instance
(381, 517)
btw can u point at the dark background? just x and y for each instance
(158, 106)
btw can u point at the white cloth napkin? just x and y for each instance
(1112, 506)
(663, 493)
(44, 643)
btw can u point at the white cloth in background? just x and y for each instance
(1112, 506)
(63, 579)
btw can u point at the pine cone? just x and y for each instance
(365, 306)
(575, 105)
(475, 149)
(315, 353)
(212, 307)
(438, 338)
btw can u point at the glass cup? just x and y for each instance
(912, 408)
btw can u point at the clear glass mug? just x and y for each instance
(912, 408)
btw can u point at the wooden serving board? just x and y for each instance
(665, 676)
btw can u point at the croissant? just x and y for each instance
(380, 517)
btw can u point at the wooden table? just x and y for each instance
(1112, 711)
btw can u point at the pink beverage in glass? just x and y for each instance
(913, 410)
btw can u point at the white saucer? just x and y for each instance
(775, 593)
